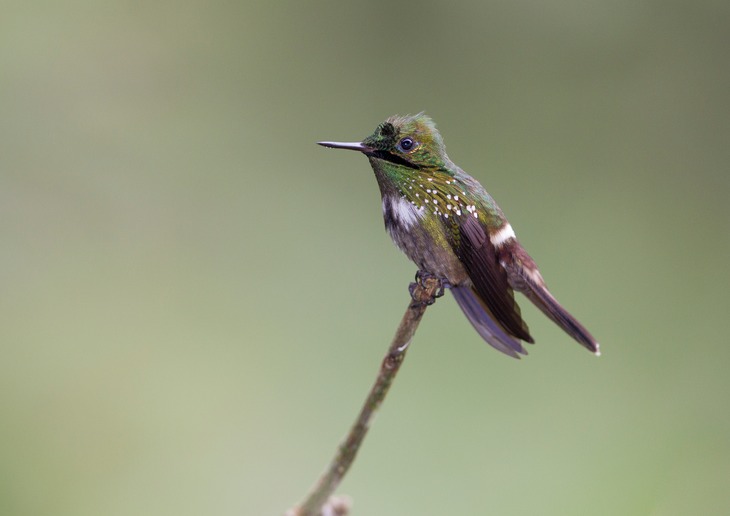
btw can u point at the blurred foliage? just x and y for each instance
(195, 297)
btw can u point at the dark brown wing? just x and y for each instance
(525, 278)
(490, 280)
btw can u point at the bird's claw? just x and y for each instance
(421, 277)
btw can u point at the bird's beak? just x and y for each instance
(356, 146)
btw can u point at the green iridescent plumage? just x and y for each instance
(447, 224)
(437, 182)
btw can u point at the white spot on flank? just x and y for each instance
(502, 235)
(448, 196)
(430, 179)
(456, 197)
(476, 215)
(458, 212)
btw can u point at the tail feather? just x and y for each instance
(544, 300)
(485, 323)
(526, 278)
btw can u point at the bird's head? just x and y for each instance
(410, 141)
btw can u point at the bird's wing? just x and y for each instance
(491, 284)
(523, 276)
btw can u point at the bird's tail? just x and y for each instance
(544, 300)
(485, 323)
(526, 278)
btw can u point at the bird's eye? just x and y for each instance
(406, 144)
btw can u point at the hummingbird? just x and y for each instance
(452, 229)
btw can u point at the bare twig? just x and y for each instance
(320, 501)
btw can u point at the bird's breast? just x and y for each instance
(400, 213)
(421, 237)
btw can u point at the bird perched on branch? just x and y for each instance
(451, 228)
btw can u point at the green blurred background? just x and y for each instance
(195, 298)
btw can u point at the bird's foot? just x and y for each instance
(421, 278)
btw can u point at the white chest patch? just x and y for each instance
(401, 211)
